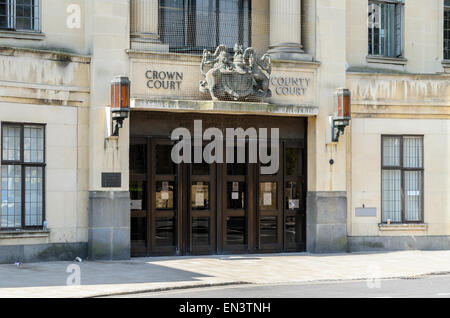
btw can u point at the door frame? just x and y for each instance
(301, 145)
(188, 179)
(224, 212)
(175, 213)
(144, 211)
(278, 212)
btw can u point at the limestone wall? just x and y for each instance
(109, 34)
(53, 89)
(399, 104)
(331, 33)
(60, 30)
(422, 37)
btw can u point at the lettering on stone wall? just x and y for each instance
(164, 80)
(290, 86)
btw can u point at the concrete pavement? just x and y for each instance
(165, 273)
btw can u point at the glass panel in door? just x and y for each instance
(165, 191)
(235, 204)
(202, 208)
(270, 210)
(294, 198)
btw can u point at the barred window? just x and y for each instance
(20, 15)
(22, 176)
(385, 22)
(402, 179)
(190, 26)
(447, 30)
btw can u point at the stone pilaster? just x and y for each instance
(326, 227)
(108, 208)
(109, 225)
(144, 19)
(286, 30)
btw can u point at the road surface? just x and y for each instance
(422, 287)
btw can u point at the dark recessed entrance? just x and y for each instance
(214, 208)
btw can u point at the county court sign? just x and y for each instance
(293, 86)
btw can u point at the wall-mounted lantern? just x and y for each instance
(120, 101)
(342, 98)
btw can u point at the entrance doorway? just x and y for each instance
(191, 209)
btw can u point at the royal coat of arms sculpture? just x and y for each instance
(244, 78)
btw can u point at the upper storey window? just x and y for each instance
(385, 21)
(447, 30)
(190, 26)
(19, 15)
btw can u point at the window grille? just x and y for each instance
(402, 179)
(22, 176)
(190, 26)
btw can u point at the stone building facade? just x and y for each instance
(383, 185)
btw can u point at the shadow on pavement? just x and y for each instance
(92, 273)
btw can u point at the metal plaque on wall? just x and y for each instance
(111, 180)
(366, 212)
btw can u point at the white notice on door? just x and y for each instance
(164, 195)
(234, 195)
(136, 204)
(267, 198)
(294, 204)
(199, 199)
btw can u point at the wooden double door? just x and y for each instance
(202, 208)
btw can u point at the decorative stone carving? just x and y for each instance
(244, 78)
